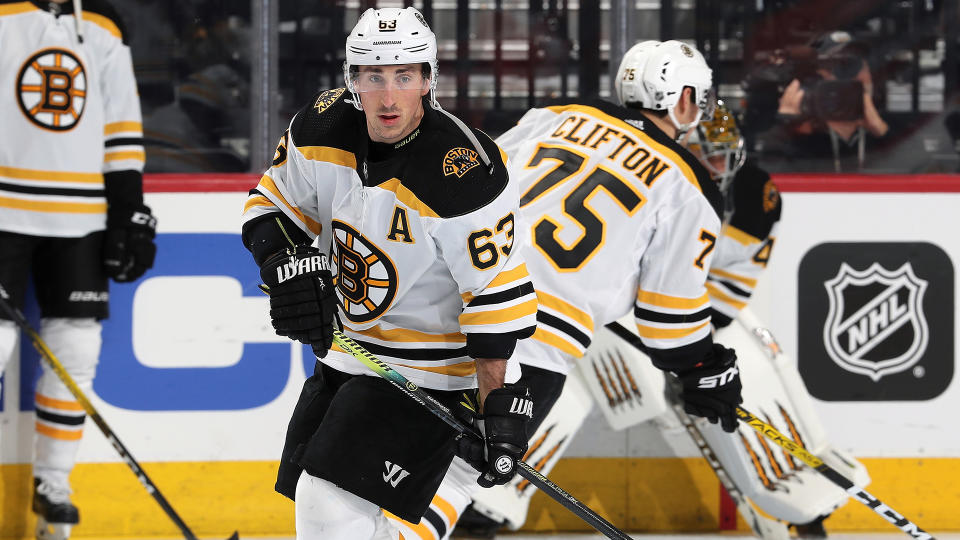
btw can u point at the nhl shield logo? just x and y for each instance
(876, 325)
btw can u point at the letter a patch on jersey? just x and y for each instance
(399, 227)
(394, 473)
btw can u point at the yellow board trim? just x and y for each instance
(270, 186)
(749, 282)
(634, 494)
(668, 333)
(499, 316)
(329, 155)
(672, 302)
(674, 157)
(55, 207)
(557, 342)
(558, 304)
(407, 197)
(122, 127)
(53, 176)
(739, 236)
(717, 294)
(408, 336)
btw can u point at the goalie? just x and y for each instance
(628, 390)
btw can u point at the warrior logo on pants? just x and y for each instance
(871, 308)
(52, 89)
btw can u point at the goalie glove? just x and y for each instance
(302, 300)
(711, 389)
(503, 425)
(128, 247)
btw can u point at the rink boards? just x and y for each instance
(192, 379)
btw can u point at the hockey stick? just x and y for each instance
(71, 385)
(444, 413)
(831, 474)
(801, 453)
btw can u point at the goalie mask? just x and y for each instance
(653, 74)
(718, 143)
(390, 36)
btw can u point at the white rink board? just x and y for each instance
(176, 385)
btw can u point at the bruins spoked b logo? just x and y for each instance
(52, 89)
(366, 277)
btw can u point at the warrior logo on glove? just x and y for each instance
(299, 267)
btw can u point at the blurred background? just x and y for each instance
(876, 92)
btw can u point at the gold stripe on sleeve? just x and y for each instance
(58, 207)
(719, 295)
(509, 276)
(463, 369)
(749, 282)
(499, 316)
(258, 200)
(568, 309)
(557, 342)
(408, 336)
(673, 302)
(668, 333)
(57, 176)
(138, 155)
(122, 127)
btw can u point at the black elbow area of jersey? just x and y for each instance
(123, 189)
(682, 358)
(491, 345)
(718, 319)
(271, 233)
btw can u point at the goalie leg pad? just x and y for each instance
(60, 417)
(325, 511)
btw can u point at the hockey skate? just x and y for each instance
(56, 515)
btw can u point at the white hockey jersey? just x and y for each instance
(620, 218)
(422, 237)
(745, 243)
(70, 114)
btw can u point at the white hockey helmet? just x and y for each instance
(652, 75)
(390, 36)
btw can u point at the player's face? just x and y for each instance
(391, 99)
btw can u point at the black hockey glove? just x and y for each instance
(503, 424)
(128, 248)
(302, 300)
(712, 388)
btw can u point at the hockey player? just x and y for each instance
(420, 216)
(623, 220)
(772, 480)
(71, 207)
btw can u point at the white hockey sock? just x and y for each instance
(60, 417)
(325, 511)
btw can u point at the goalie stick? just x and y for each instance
(801, 453)
(17, 317)
(762, 526)
(444, 413)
